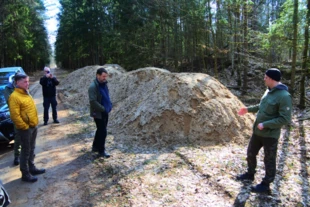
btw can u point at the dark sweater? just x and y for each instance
(49, 86)
(105, 101)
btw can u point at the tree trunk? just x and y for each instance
(237, 40)
(176, 36)
(295, 22)
(302, 99)
(245, 48)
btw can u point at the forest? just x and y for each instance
(23, 37)
(178, 35)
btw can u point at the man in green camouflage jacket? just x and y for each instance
(273, 111)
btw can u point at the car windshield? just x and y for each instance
(3, 104)
(4, 77)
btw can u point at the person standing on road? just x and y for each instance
(25, 117)
(100, 107)
(8, 90)
(49, 83)
(273, 111)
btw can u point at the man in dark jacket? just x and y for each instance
(8, 90)
(100, 107)
(273, 111)
(49, 83)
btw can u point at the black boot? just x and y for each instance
(35, 171)
(94, 149)
(261, 188)
(104, 154)
(245, 176)
(16, 160)
(27, 177)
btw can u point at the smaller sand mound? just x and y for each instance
(73, 90)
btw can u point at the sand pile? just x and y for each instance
(154, 106)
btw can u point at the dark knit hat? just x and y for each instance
(274, 74)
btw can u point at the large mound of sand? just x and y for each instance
(152, 106)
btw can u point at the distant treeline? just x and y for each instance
(23, 37)
(178, 35)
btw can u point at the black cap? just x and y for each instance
(274, 74)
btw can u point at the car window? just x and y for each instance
(4, 77)
(21, 71)
(2, 99)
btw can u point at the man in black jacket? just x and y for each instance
(100, 107)
(49, 83)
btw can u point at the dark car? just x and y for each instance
(6, 124)
(4, 197)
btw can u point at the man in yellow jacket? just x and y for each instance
(24, 114)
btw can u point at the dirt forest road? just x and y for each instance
(57, 187)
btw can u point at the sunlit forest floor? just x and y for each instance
(138, 175)
(193, 175)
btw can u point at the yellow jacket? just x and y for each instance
(23, 110)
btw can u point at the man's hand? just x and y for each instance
(260, 126)
(242, 111)
(49, 75)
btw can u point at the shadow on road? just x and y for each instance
(5, 148)
(243, 195)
